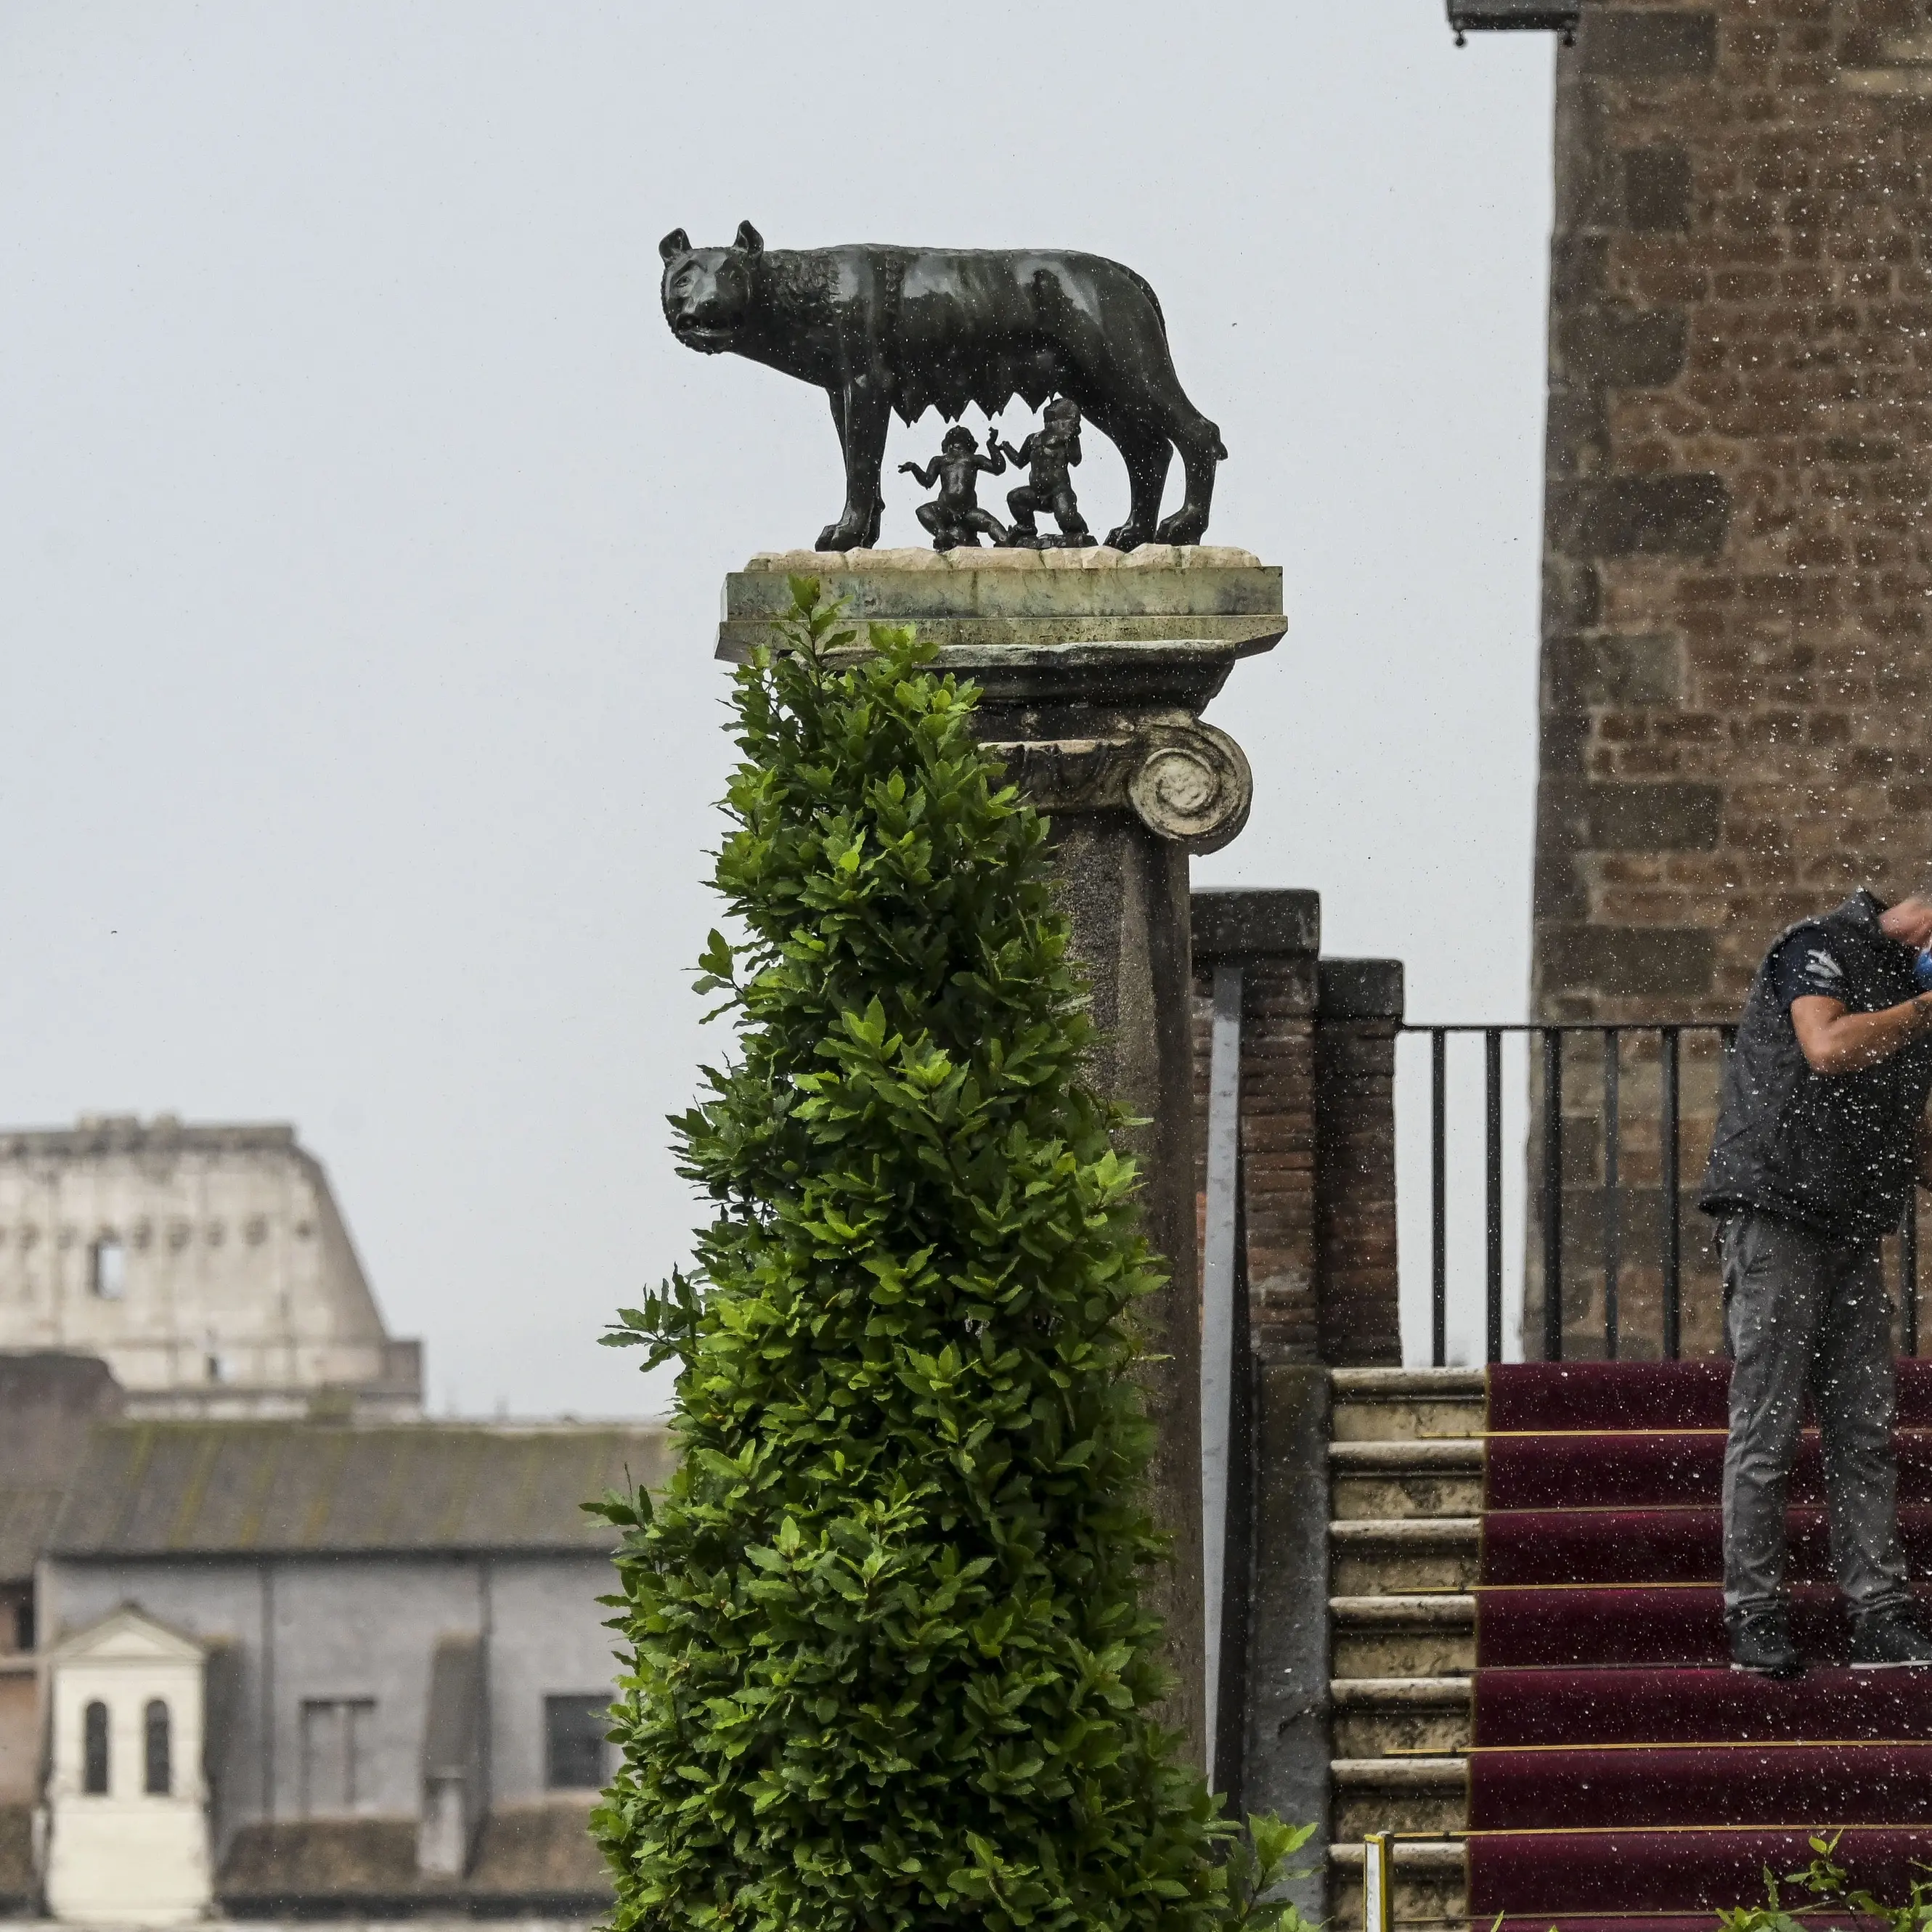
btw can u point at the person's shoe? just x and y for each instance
(1761, 1643)
(1889, 1640)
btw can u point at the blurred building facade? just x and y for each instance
(302, 1669)
(272, 1645)
(208, 1266)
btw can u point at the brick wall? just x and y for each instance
(1357, 1016)
(1274, 937)
(1734, 662)
(1317, 1126)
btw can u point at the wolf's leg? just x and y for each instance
(861, 413)
(1147, 455)
(1199, 443)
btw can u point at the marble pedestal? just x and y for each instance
(1095, 668)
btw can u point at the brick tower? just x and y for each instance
(1736, 557)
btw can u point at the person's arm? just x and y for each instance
(1834, 1041)
(923, 477)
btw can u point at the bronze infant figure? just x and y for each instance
(880, 328)
(1047, 455)
(954, 517)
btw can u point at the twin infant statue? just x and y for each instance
(954, 517)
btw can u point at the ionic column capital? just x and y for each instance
(1183, 779)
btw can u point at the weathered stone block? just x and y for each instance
(1642, 515)
(1579, 264)
(974, 598)
(1361, 989)
(1622, 347)
(1647, 43)
(1576, 430)
(1657, 188)
(1651, 816)
(1659, 963)
(1558, 890)
(1227, 920)
(1581, 672)
(1573, 596)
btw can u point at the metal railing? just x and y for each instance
(1553, 1186)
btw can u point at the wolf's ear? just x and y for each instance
(749, 239)
(675, 243)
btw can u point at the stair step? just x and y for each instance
(1427, 1610)
(1406, 1636)
(1373, 1556)
(1405, 1478)
(1371, 1717)
(1398, 1794)
(1455, 1453)
(1390, 1693)
(1356, 1385)
(1380, 1404)
(1400, 1773)
(1431, 1610)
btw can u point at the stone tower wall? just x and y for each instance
(1735, 659)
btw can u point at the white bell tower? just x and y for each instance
(127, 1804)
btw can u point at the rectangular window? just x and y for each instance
(574, 1728)
(158, 1749)
(93, 1750)
(336, 1736)
(107, 1268)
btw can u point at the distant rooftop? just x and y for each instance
(115, 1133)
(205, 1489)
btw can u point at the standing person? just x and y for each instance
(1820, 1132)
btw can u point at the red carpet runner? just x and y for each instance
(1620, 1766)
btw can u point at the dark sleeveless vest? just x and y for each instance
(1835, 1153)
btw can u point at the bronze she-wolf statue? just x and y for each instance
(881, 328)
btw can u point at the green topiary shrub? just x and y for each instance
(888, 1662)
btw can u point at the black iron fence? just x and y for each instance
(1597, 1057)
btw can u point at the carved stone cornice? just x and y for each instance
(1092, 668)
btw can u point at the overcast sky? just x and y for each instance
(362, 530)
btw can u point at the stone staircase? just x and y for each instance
(1405, 1500)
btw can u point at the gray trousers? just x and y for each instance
(1801, 1312)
